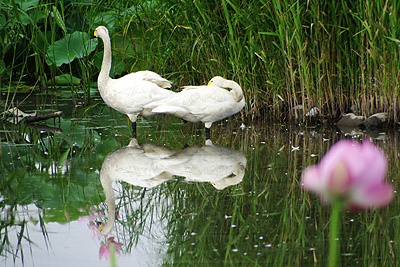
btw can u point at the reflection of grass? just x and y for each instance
(16, 222)
(40, 168)
(264, 220)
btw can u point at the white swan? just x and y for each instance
(149, 164)
(207, 104)
(142, 165)
(130, 93)
(221, 166)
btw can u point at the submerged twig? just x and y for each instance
(37, 118)
(43, 128)
(15, 116)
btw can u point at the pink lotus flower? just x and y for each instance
(353, 172)
(105, 248)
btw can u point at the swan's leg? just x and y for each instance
(207, 133)
(208, 126)
(134, 129)
(133, 118)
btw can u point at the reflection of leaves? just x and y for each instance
(53, 195)
(73, 134)
(103, 147)
(32, 188)
(75, 45)
(63, 158)
(67, 79)
(57, 172)
(43, 191)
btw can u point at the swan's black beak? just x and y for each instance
(94, 34)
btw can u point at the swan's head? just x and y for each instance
(217, 81)
(100, 32)
(228, 84)
(105, 229)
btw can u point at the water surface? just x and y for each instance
(177, 199)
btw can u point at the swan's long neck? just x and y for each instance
(104, 74)
(106, 183)
(236, 90)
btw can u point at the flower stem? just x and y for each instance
(334, 231)
(112, 255)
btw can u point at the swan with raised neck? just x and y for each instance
(130, 93)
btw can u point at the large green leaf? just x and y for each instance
(25, 4)
(3, 21)
(106, 19)
(75, 45)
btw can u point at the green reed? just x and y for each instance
(329, 55)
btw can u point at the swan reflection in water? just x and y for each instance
(149, 164)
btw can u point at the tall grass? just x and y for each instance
(338, 56)
(334, 56)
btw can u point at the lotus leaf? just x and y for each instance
(72, 46)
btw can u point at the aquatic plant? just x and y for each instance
(353, 172)
(109, 247)
(350, 175)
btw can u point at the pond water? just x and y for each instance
(169, 197)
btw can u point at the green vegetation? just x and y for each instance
(336, 56)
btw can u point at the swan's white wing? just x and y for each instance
(146, 171)
(178, 105)
(213, 104)
(210, 163)
(131, 95)
(199, 103)
(169, 109)
(178, 111)
(188, 96)
(219, 111)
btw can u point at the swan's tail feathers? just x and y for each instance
(155, 78)
(165, 84)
